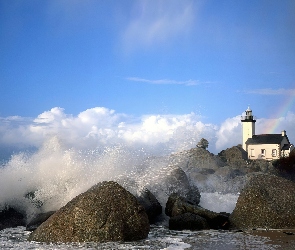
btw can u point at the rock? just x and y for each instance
(106, 212)
(234, 155)
(193, 195)
(196, 158)
(151, 205)
(9, 217)
(38, 220)
(267, 201)
(177, 205)
(188, 221)
(227, 173)
(170, 208)
(175, 180)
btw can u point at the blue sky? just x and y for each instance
(191, 65)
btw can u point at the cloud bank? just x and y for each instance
(101, 127)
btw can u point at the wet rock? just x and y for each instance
(9, 217)
(188, 221)
(177, 205)
(267, 201)
(38, 220)
(106, 212)
(151, 205)
(234, 155)
(175, 180)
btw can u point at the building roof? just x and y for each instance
(266, 139)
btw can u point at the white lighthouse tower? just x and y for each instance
(248, 124)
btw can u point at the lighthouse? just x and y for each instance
(248, 124)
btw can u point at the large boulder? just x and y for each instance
(10, 217)
(267, 201)
(188, 221)
(106, 212)
(177, 205)
(174, 180)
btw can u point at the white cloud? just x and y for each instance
(269, 91)
(164, 81)
(102, 127)
(156, 22)
(229, 134)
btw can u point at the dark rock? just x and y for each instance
(173, 198)
(193, 195)
(106, 212)
(38, 220)
(234, 155)
(188, 221)
(177, 205)
(9, 217)
(195, 159)
(151, 205)
(267, 201)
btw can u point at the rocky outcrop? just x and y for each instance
(106, 212)
(174, 180)
(177, 205)
(235, 155)
(196, 158)
(267, 201)
(9, 217)
(226, 172)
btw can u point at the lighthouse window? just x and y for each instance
(262, 152)
(274, 152)
(252, 152)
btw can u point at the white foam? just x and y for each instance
(219, 202)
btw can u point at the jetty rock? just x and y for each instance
(267, 201)
(106, 212)
(186, 215)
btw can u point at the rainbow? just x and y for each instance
(281, 111)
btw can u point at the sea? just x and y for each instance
(47, 178)
(162, 238)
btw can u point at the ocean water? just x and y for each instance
(162, 238)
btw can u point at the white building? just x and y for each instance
(265, 146)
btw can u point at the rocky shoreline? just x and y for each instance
(109, 212)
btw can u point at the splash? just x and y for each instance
(54, 174)
(49, 178)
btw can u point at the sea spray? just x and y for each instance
(47, 179)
